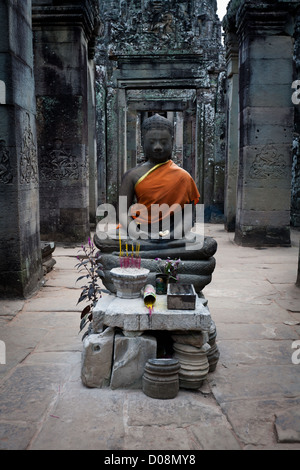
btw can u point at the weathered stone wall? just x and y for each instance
(162, 57)
(20, 251)
(92, 142)
(63, 44)
(232, 130)
(295, 203)
(266, 119)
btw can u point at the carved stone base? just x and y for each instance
(196, 268)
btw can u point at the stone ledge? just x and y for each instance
(132, 316)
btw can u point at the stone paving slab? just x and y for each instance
(54, 299)
(47, 320)
(213, 438)
(277, 275)
(255, 292)
(287, 424)
(10, 308)
(67, 262)
(257, 381)
(84, 419)
(257, 331)
(16, 435)
(28, 391)
(264, 352)
(188, 408)
(234, 311)
(254, 423)
(157, 437)
(63, 277)
(60, 339)
(50, 357)
(19, 344)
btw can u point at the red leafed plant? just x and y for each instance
(91, 292)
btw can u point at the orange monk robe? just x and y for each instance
(165, 183)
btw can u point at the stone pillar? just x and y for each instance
(63, 38)
(101, 132)
(208, 169)
(219, 143)
(92, 143)
(266, 124)
(298, 274)
(295, 205)
(232, 134)
(20, 251)
(112, 158)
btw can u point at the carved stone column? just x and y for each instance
(266, 124)
(232, 134)
(64, 37)
(20, 251)
(295, 206)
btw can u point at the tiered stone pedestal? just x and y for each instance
(123, 338)
(198, 262)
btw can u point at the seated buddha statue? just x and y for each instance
(162, 191)
(161, 200)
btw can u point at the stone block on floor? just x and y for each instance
(130, 357)
(97, 359)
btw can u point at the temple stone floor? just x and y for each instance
(251, 401)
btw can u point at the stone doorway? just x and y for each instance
(190, 112)
(178, 112)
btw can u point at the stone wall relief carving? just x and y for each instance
(268, 164)
(159, 20)
(164, 27)
(58, 163)
(28, 156)
(6, 175)
(156, 25)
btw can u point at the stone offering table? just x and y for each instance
(131, 316)
(124, 336)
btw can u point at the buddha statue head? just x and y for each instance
(157, 122)
(157, 138)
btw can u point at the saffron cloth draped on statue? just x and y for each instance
(166, 183)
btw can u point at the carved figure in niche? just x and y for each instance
(183, 15)
(165, 26)
(158, 181)
(28, 160)
(123, 10)
(101, 29)
(200, 23)
(156, 5)
(6, 175)
(160, 21)
(59, 164)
